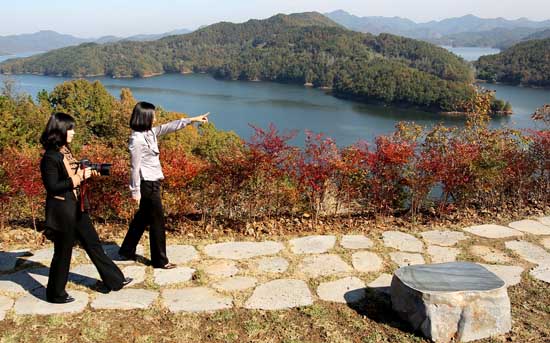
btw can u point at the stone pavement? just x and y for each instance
(274, 275)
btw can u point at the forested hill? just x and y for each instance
(526, 63)
(298, 48)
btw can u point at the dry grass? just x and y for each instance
(371, 321)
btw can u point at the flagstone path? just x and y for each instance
(272, 275)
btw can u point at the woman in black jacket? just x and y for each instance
(65, 221)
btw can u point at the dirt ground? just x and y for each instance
(370, 321)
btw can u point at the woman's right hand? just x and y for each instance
(203, 118)
(85, 173)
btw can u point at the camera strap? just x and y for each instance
(82, 194)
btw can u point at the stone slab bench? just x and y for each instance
(458, 300)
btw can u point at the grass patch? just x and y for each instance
(371, 321)
(314, 311)
(223, 316)
(200, 278)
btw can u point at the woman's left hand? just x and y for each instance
(95, 173)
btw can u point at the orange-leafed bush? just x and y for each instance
(109, 196)
(23, 188)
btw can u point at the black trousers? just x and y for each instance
(63, 247)
(150, 213)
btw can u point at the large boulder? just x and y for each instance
(457, 300)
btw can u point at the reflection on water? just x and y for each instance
(177, 92)
(235, 104)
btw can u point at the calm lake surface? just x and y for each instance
(235, 105)
(26, 54)
(471, 53)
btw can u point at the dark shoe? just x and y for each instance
(105, 289)
(168, 266)
(102, 288)
(127, 281)
(66, 300)
(125, 257)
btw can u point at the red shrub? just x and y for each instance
(22, 170)
(180, 171)
(352, 172)
(270, 188)
(539, 157)
(453, 167)
(317, 165)
(109, 196)
(388, 164)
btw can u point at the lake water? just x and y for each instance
(236, 104)
(26, 54)
(471, 53)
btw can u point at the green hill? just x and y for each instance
(298, 48)
(526, 63)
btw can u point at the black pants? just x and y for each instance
(150, 213)
(63, 247)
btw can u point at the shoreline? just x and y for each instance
(521, 85)
(326, 90)
(466, 115)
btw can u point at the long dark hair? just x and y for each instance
(142, 116)
(55, 133)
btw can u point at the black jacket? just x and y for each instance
(61, 204)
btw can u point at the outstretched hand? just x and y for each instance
(203, 118)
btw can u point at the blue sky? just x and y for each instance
(93, 18)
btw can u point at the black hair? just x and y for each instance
(142, 116)
(55, 133)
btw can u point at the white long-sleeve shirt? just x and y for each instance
(144, 154)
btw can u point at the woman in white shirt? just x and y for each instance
(145, 177)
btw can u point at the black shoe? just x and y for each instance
(105, 289)
(125, 257)
(102, 288)
(127, 281)
(66, 300)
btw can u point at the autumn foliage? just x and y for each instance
(216, 174)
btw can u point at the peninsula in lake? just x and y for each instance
(526, 63)
(304, 48)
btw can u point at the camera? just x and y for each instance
(102, 168)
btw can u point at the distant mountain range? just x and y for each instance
(39, 41)
(500, 38)
(301, 48)
(50, 40)
(468, 30)
(538, 35)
